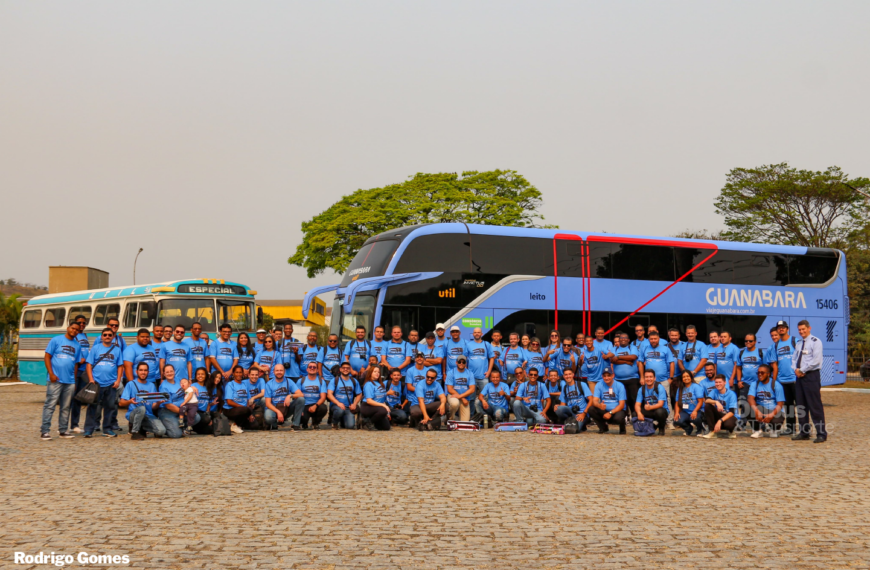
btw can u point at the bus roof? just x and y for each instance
(404, 234)
(210, 287)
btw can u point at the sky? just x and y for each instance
(207, 132)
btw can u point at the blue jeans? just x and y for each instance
(495, 413)
(343, 417)
(686, 422)
(170, 422)
(294, 409)
(399, 416)
(107, 402)
(57, 393)
(524, 414)
(139, 421)
(76, 409)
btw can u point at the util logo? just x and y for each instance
(450, 293)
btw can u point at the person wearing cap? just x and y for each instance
(652, 401)
(532, 400)
(344, 395)
(766, 399)
(433, 355)
(807, 365)
(261, 336)
(495, 398)
(441, 342)
(356, 352)
(461, 389)
(454, 348)
(720, 409)
(430, 403)
(784, 373)
(576, 399)
(608, 403)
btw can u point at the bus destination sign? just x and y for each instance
(212, 289)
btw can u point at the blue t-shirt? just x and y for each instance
(783, 350)
(198, 352)
(461, 381)
(255, 388)
(593, 364)
(310, 354)
(65, 354)
(378, 348)
(237, 392)
(130, 392)
(677, 351)
(562, 361)
(553, 388)
(428, 392)
(247, 359)
(536, 393)
(693, 352)
(610, 396)
(708, 386)
(728, 399)
(224, 353)
(749, 361)
(726, 358)
(658, 359)
(497, 351)
(267, 358)
(395, 400)
(202, 399)
(765, 398)
(175, 391)
(344, 390)
(312, 389)
(478, 354)
(604, 346)
(258, 346)
(624, 372)
(278, 391)
(576, 394)
(512, 358)
(431, 353)
(640, 345)
(331, 357)
(85, 344)
(689, 398)
(357, 353)
(374, 391)
(413, 348)
(652, 396)
(396, 354)
(136, 353)
(178, 355)
(288, 358)
(711, 353)
(415, 375)
(105, 362)
(453, 350)
(497, 396)
(535, 359)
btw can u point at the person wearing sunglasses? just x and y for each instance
(749, 358)
(532, 400)
(267, 358)
(551, 350)
(564, 359)
(535, 357)
(118, 340)
(430, 405)
(176, 353)
(105, 367)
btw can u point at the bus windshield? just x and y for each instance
(363, 314)
(371, 261)
(185, 312)
(239, 314)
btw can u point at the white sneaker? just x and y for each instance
(710, 435)
(78, 430)
(732, 435)
(774, 432)
(236, 429)
(756, 434)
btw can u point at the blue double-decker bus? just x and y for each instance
(534, 280)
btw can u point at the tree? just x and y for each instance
(779, 204)
(702, 234)
(498, 197)
(10, 316)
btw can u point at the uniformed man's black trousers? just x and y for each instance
(808, 397)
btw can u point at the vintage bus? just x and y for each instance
(210, 302)
(534, 280)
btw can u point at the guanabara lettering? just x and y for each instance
(726, 297)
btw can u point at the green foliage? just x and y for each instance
(498, 197)
(702, 234)
(322, 334)
(779, 204)
(10, 316)
(268, 322)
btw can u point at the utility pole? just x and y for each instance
(134, 265)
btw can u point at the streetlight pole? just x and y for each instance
(134, 265)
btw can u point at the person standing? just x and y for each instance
(535, 357)
(81, 373)
(604, 345)
(727, 359)
(591, 364)
(266, 359)
(157, 340)
(640, 340)
(247, 354)
(261, 336)
(312, 353)
(783, 351)
(105, 367)
(551, 350)
(117, 340)
(496, 347)
(657, 358)
(379, 345)
(433, 356)
(396, 354)
(454, 348)
(167, 334)
(694, 358)
(223, 353)
(625, 371)
(176, 353)
(807, 365)
(749, 358)
(62, 357)
(332, 358)
(413, 345)
(512, 357)
(198, 347)
(770, 353)
(480, 358)
(142, 351)
(356, 352)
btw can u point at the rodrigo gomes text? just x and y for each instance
(82, 558)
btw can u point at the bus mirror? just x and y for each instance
(259, 316)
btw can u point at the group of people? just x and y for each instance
(274, 380)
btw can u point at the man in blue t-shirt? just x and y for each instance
(512, 357)
(652, 401)
(532, 400)
(576, 399)
(766, 398)
(283, 399)
(481, 359)
(720, 409)
(454, 348)
(727, 358)
(608, 404)
(312, 353)
(344, 395)
(433, 355)
(81, 373)
(105, 368)
(782, 351)
(461, 389)
(428, 404)
(605, 346)
(658, 358)
(177, 353)
(378, 348)
(140, 412)
(223, 353)
(142, 351)
(694, 354)
(397, 354)
(625, 370)
(494, 398)
(62, 356)
(356, 352)
(198, 348)
(332, 357)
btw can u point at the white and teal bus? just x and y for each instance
(210, 302)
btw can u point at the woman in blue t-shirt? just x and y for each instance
(247, 354)
(374, 405)
(689, 404)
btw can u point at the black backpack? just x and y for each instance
(221, 425)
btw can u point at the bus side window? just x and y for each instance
(106, 312)
(32, 318)
(147, 312)
(54, 317)
(84, 311)
(130, 315)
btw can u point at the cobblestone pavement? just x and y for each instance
(438, 500)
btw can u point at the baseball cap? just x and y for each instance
(607, 373)
(455, 328)
(430, 334)
(461, 359)
(781, 324)
(439, 326)
(419, 354)
(261, 331)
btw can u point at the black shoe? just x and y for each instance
(800, 437)
(296, 428)
(603, 430)
(137, 436)
(421, 427)
(820, 440)
(622, 430)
